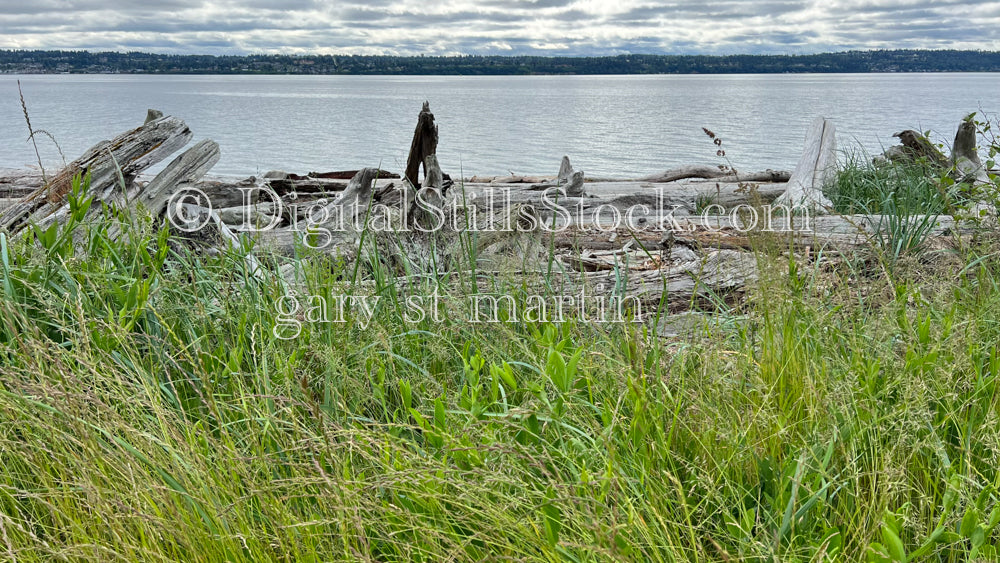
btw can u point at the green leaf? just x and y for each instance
(878, 554)
(833, 542)
(507, 376)
(949, 537)
(552, 516)
(969, 522)
(439, 419)
(734, 528)
(978, 538)
(407, 393)
(893, 544)
(994, 517)
(555, 367)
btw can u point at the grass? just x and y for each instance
(906, 197)
(150, 414)
(863, 187)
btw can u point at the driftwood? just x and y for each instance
(624, 294)
(18, 183)
(199, 217)
(424, 144)
(181, 173)
(723, 174)
(569, 181)
(112, 165)
(512, 179)
(676, 242)
(152, 115)
(815, 169)
(224, 192)
(965, 157)
(918, 146)
(716, 273)
(315, 182)
(358, 192)
(310, 186)
(342, 175)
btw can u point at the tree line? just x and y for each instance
(20, 61)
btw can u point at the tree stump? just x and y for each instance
(965, 157)
(425, 140)
(816, 167)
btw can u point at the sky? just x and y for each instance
(498, 27)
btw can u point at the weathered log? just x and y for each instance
(512, 179)
(918, 146)
(313, 186)
(428, 198)
(358, 192)
(343, 217)
(425, 140)
(433, 177)
(223, 192)
(716, 273)
(15, 184)
(684, 172)
(251, 217)
(715, 172)
(344, 175)
(769, 176)
(189, 167)
(569, 180)
(815, 169)
(965, 157)
(112, 165)
(565, 171)
(198, 217)
(587, 263)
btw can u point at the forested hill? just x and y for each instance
(850, 61)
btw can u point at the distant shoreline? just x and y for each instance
(847, 62)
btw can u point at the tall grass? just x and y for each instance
(904, 197)
(150, 414)
(910, 187)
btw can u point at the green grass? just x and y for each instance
(862, 187)
(149, 414)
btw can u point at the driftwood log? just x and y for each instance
(424, 144)
(723, 174)
(965, 157)
(568, 180)
(916, 145)
(817, 167)
(181, 173)
(112, 166)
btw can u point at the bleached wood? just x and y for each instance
(113, 166)
(815, 169)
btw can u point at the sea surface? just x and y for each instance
(609, 126)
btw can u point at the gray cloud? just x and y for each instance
(565, 27)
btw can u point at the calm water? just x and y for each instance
(608, 125)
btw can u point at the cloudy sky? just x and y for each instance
(547, 27)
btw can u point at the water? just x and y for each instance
(611, 126)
